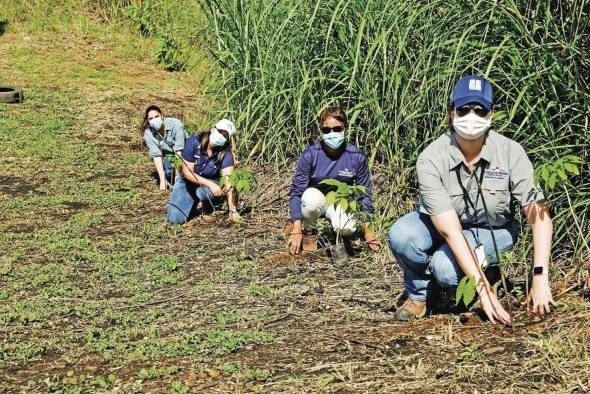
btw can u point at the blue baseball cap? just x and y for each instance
(473, 89)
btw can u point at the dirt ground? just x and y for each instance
(97, 294)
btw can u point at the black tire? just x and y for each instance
(10, 94)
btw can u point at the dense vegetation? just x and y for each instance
(392, 64)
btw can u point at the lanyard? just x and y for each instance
(466, 194)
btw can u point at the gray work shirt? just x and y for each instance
(507, 174)
(174, 138)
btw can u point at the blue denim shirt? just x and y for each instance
(174, 138)
(314, 166)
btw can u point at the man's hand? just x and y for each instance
(491, 306)
(540, 296)
(216, 190)
(371, 238)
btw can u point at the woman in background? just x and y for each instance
(163, 136)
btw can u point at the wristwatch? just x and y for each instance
(537, 271)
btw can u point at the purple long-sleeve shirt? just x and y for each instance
(314, 166)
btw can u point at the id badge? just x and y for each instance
(480, 255)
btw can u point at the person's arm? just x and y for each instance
(232, 196)
(159, 163)
(449, 227)
(299, 183)
(189, 174)
(542, 226)
(179, 136)
(363, 177)
(531, 198)
(155, 152)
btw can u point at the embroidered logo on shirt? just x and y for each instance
(346, 173)
(475, 84)
(496, 173)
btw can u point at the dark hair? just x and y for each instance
(333, 112)
(146, 123)
(204, 142)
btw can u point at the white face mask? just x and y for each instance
(156, 123)
(216, 139)
(471, 126)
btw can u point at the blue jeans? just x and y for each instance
(167, 167)
(184, 199)
(423, 254)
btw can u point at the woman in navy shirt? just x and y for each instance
(334, 158)
(206, 158)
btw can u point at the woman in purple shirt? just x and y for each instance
(332, 158)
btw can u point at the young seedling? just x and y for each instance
(240, 180)
(556, 173)
(176, 162)
(344, 196)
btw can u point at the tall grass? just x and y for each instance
(392, 65)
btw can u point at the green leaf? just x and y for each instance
(241, 185)
(344, 204)
(545, 173)
(469, 292)
(222, 182)
(331, 198)
(561, 174)
(353, 205)
(331, 182)
(571, 168)
(552, 181)
(460, 290)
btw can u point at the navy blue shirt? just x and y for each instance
(205, 165)
(314, 166)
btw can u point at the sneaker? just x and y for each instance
(310, 241)
(410, 310)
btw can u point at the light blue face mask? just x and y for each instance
(334, 139)
(216, 139)
(156, 123)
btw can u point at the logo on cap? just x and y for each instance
(475, 84)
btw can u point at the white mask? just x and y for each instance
(471, 126)
(156, 123)
(217, 139)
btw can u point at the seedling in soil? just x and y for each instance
(176, 162)
(344, 196)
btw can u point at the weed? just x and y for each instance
(170, 54)
(470, 354)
